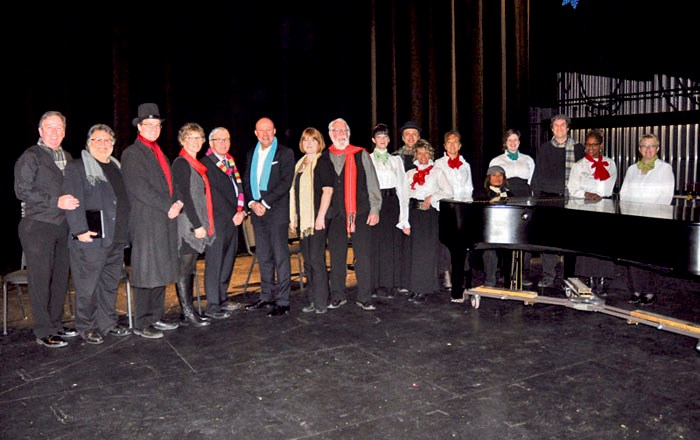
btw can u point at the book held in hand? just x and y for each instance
(95, 221)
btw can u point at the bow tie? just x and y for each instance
(382, 157)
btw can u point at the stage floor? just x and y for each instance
(435, 370)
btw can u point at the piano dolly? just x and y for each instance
(579, 297)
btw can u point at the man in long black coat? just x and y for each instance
(154, 252)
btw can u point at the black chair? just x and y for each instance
(16, 279)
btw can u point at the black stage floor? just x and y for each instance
(436, 370)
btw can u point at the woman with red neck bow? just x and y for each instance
(455, 168)
(459, 175)
(425, 186)
(592, 179)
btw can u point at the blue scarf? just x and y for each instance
(267, 167)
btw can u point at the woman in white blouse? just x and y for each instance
(519, 167)
(593, 179)
(425, 186)
(650, 180)
(386, 235)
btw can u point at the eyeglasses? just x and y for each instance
(193, 138)
(594, 144)
(221, 140)
(648, 146)
(339, 130)
(101, 141)
(151, 124)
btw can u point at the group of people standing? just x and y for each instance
(581, 172)
(170, 213)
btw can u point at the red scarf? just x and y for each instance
(350, 183)
(600, 172)
(454, 163)
(160, 157)
(419, 177)
(201, 169)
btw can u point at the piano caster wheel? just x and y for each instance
(475, 301)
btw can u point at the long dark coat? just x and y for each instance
(154, 254)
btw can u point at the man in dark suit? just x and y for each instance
(269, 175)
(229, 212)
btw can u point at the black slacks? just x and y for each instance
(338, 250)
(45, 246)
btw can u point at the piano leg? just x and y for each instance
(516, 270)
(569, 266)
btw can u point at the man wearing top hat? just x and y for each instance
(154, 253)
(410, 134)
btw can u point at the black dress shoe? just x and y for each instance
(66, 332)
(647, 299)
(231, 306)
(279, 311)
(119, 331)
(260, 304)
(218, 315)
(417, 298)
(165, 326)
(635, 298)
(51, 341)
(93, 338)
(149, 332)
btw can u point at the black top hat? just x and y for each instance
(410, 124)
(147, 111)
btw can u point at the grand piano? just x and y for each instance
(661, 237)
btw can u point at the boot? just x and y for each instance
(184, 295)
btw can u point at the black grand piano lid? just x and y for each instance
(662, 236)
